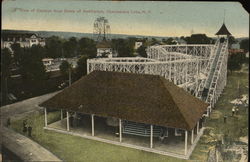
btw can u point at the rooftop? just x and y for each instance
(223, 30)
(144, 98)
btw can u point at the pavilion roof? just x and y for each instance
(144, 98)
(223, 30)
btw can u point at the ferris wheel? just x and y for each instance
(101, 29)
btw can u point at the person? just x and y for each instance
(162, 136)
(29, 130)
(24, 125)
(225, 118)
(8, 122)
(233, 111)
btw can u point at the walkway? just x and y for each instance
(20, 145)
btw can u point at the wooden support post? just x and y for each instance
(61, 114)
(120, 130)
(45, 117)
(151, 136)
(87, 66)
(186, 138)
(93, 124)
(192, 136)
(67, 121)
(197, 127)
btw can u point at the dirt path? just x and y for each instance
(20, 145)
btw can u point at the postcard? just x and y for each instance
(111, 81)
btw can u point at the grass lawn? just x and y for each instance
(235, 127)
(71, 148)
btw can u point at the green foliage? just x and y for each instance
(73, 148)
(70, 47)
(124, 47)
(170, 41)
(198, 39)
(142, 51)
(5, 73)
(81, 68)
(5, 62)
(54, 46)
(31, 66)
(244, 44)
(18, 52)
(64, 67)
(231, 40)
(154, 41)
(235, 61)
(87, 47)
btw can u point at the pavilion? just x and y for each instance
(141, 105)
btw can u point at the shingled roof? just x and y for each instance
(223, 30)
(144, 98)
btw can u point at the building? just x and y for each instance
(234, 51)
(47, 61)
(24, 39)
(134, 110)
(137, 45)
(104, 49)
(235, 48)
(223, 31)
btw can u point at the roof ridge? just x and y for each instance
(163, 80)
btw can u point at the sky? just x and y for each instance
(126, 17)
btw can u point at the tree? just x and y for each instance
(64, 67)
(235, 61)
(154, 41)
(54, 47)
(198, 39)
(231, 40)
(5, 72)
(39, 51)
(124, 47)
(70, 47)
(142, 51)
(244, 44)
(87, 47)
(170, 41)
(31, 66)
(17, 51)
(5, 62)
(81, 68)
